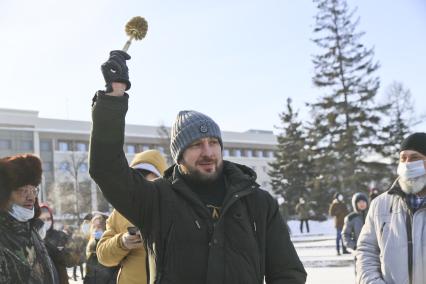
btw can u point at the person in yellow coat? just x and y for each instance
(117, 246)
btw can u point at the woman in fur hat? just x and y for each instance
(23, 256)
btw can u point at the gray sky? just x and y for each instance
(236, 61)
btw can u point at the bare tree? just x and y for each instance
(76, 162)
(400, 120)
(164, 133)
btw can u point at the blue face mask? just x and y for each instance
(97, 235)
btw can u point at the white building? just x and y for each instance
(63, 147)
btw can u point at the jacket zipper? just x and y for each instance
(382, 228)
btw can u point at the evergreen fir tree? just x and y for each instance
(290, 169)
(345, 123)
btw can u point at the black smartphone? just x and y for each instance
(132, 230)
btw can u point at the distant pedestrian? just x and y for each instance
(56, 242)
(338, 210)
(97, 273)
(302, 209)
(77, 247)
(355, 220)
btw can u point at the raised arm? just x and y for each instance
(123, 187)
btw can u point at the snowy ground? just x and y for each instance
(317, 250)
(318, 254)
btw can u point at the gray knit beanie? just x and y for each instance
(190, 126)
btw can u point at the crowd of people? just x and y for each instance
(203, 219)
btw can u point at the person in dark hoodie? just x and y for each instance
(23, 256)
(355, 220)
(56, 244)
(207, 218)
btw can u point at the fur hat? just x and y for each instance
(150, 160)
(17, 171)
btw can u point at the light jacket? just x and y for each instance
(383, 247)
(111, 252)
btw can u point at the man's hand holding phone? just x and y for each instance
(132, 239)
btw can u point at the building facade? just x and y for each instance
(63, 147)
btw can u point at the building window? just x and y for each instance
(160, 149)
(26, 145)
(258, 153)
(130, 149)
(237, 153)
(226, 152)
(248, 153)
(45, 145)
(81, 146)
(145, 147)
(270, 154)
(5, 144)
(64, 166)
(64, 146)
(47, 166)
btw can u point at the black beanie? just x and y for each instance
(415, 142)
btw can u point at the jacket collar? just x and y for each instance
(395, 189)
(237, 178)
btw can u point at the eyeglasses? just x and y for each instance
(26, 190)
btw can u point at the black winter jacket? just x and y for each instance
(249, 241)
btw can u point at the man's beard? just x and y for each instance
(196, 176)
(413, 185)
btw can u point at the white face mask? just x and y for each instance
(85, 228)
(20, 213)
(47, 225)
(412, 176)
(42, 232)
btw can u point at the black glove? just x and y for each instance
(115, 69)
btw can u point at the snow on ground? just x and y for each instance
(331, 275)
(317, 251)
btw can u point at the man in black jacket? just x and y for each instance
(208, 218)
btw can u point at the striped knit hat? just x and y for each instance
(190, 126)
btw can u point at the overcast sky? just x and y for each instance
(235, 60)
